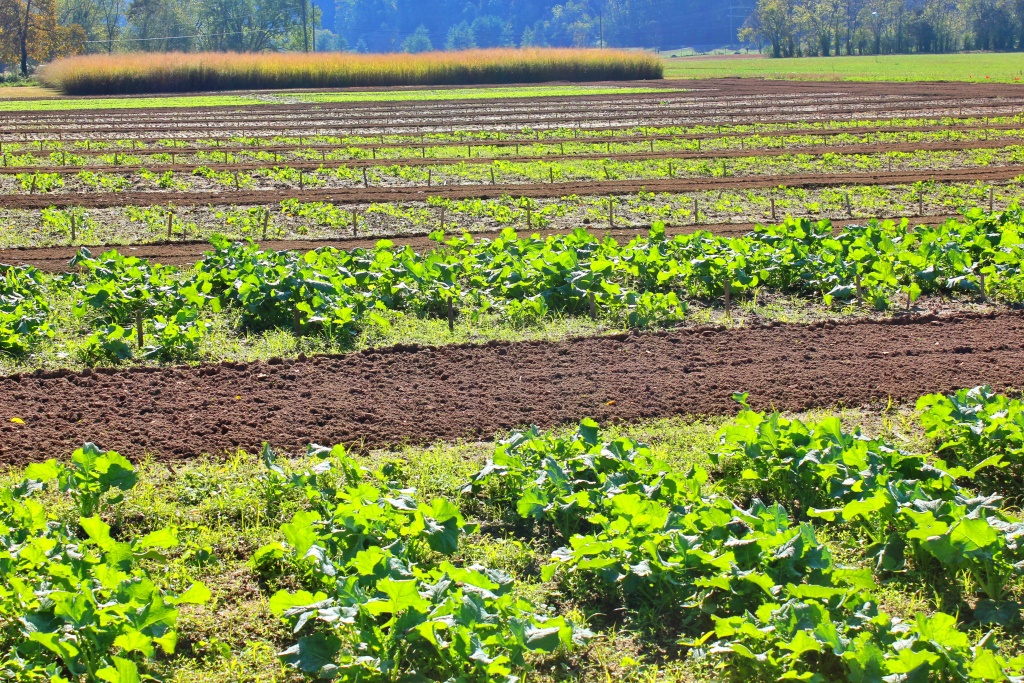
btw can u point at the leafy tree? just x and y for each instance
(460, 37)
(418, 41)
(29, 32)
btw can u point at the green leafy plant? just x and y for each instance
(83, 603)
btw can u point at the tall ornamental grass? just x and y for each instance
(153, 72)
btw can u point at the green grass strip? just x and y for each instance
(977, 68)
(185, 101)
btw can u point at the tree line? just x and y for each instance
(60, 27)
(417, 25)
(794, 28)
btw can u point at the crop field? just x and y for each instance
(718, 380)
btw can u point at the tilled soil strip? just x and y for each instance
(382, 398)
(57, 259)
(411, 193)
(233, 144)
(755, 152)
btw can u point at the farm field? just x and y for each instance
(646, 382)
(981, 67)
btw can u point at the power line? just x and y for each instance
(198, 35)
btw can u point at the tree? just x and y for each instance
(29, 32)
(460, 37)
(418, 41)
(772, 21)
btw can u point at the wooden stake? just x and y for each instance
(297, 321)
(773, 209)
(529, 223)
(920, 204)
(849, 211)
(266, 222)
(492, 175)
(611, 213)
(451, 315)
(428, 177)
(442, 216)
(696, 216)
(593, 306)
(856, 283)
(981, 276)
(170, 223)
(355, 223)
(991, 200)
(138, 327)
(301, 182)
(72, 228)
(728, 295)
(32, 189)
(670, 173)
(236, 181)
(551, 174)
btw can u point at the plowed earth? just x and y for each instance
(812, 150)
(381, 398)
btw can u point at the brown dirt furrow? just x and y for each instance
(535, 190)
(232, 145)
(312, 165)
(381, 398)
(56, 259)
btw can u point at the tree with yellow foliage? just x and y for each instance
(29, 32)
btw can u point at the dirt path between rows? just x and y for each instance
(56, 259)
(412, 193)
(381, 398)
(313, 165)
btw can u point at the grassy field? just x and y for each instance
(978, 68)
(175, 72)
(58, 103)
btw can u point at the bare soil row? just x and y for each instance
(411, 193)
(388, 397)
(771, 152)
(232, 144)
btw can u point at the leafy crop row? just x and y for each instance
(373, 584)
(753, 589)
(511, 171)
(643, 283)
(76, 602)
